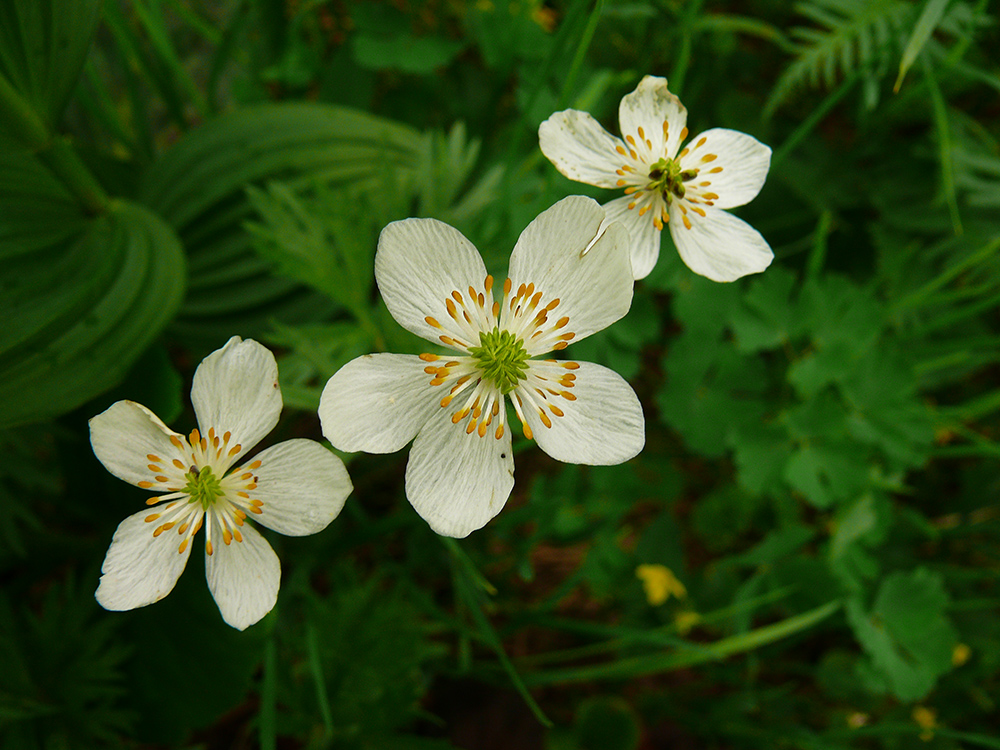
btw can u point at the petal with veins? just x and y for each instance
(303, 487)
(456, 481)
(124, 435)
(602, 426)
(648, 107)
(243, 578)
(581, 149)
(419, 263)
(235, 390)
(594, 288)
(719, 245)
(738, 171)
(377, 403)
(644, 244)
(139, 568)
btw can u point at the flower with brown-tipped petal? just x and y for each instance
(296, 488)
(686, 191)
(569, 277)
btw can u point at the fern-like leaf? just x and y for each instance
(854, 34)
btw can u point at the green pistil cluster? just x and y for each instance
(502, 359)
(666, 177)
(203, 487)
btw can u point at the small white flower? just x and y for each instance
(569, 277)
(717, 169)
(295, 488)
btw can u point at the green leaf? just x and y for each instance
(929, 19)
(760, 451)
(43, 44)
(199, 187)
(769, 316)
(710, 391)
(75, 332)
(827, 474)
(405, 53)
(854, 34)
(656, 662)
(907, 634)
(777, 544)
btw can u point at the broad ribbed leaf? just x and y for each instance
(43, 44)
(199, 187)
(84, 310)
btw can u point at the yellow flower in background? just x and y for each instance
(857, 719)
(960, 654)
(660, 583)
(926, 718)
(684, 621)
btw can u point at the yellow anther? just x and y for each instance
(709, 157)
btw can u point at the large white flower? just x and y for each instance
(717, 169)
(569, 276)
(296, 488)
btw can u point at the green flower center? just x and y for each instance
(666, 177)
(203, 487)
(501, 358)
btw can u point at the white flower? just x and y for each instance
(296, 488)
(717, 169)
(569, 276)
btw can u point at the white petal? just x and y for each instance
(419, 263)
(744, 161)
(123, 436)
(235, 390)
(594, 287)
(139, 568)
(581, 149)
(603, 426)
(645, 237)
(243, 578)
(457, 482)
(377, 403)
(719, 245)
(648, 107)
(303, 487)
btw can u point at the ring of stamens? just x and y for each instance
(198, 485)
(496, 341)
(653, 177)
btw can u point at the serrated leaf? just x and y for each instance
(907, 633)
(710, 391)
(827, 474)
(769, 315)
(760, 452)
(131, 290)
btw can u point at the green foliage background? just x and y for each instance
(821, 469)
